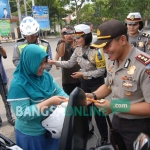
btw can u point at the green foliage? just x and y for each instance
(116, 9)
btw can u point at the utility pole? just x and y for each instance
(33, 3)
(19, 11)
(25, 7)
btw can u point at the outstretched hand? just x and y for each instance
(57, 100)
(51, 62)
(104, 107)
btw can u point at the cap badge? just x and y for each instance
(98, 32)
(132, 17)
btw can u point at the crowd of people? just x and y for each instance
(121, 50)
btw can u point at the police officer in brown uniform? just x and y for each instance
(136, 36)
(92, 70)
(128, 79)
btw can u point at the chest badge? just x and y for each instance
(127, 84)
(79, 52)
(110, 69)
(91, 57)
(131, 70)
(110, 83)
(141, 44)
(128, 93)
(127, 63)
(128, 78)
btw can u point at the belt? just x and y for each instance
(86, 78)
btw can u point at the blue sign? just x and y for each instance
(4, 9)
(41, 14)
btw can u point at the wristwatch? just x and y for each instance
(94, 96)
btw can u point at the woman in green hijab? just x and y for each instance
(32, 94)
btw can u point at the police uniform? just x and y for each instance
(92, 63)
(131, 80)
(90, 69)
(142, 40)
(128, 80)
(21, 43)
(93, 76)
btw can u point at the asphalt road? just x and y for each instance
(6, 129)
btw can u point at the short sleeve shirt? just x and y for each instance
(131, 80)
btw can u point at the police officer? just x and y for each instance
(29, 28)
(128, 80)
(92, 70)
(136, 36)
(90, 24)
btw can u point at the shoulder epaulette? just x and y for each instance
(21, 40)
(143, 59)
(45, 41)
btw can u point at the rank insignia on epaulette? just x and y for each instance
(143, 59)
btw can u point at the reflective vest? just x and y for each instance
(22, 46)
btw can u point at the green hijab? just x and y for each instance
(25, 75)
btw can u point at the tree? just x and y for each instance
(86, 13)
(77, 5)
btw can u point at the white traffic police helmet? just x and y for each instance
(54, 122)
(29, 26)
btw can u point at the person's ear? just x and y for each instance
(123, 39)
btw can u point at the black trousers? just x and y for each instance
(89, 86)
(68, 88)
(127, 130)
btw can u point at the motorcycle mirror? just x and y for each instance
(142, 142)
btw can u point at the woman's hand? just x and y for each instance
(77, 75)
(104, 107)
(51, 62)
(57, 100)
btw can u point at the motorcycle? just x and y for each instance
(7, 144)
(72, 128)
